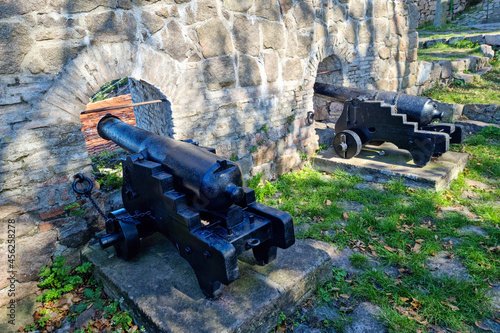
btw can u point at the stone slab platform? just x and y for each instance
(381, 163)
(161, 290)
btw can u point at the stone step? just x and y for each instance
(382, 163)
(162, 293)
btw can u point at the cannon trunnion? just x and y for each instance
(371, 116)
(195, 199)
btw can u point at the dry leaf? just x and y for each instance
(451, 306)
(328, 202)
(345, 296)
(388, 248)
(419, 241)
(345, 216)
(432, 254)
(415, 303)
(404, 299)
(397, 281)
(416, 248)
(483, 326)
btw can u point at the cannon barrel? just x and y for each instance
(209, 181)
(417, 109)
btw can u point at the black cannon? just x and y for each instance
(371, 116)
(194, 198)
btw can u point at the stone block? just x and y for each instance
(153, 22)
(34, 252)
(424, 72)
(292, 70)
(487, 51)
(215, 39)
(219, 72)
(246, 35)
(304, 42)
(356, 8)
(303, 12)
(109, 27)
(15, 42)
(285, 5)
(396, 163)
(446, 69)
(206, 9)
(488, 113)
(271, 66)
(466, 78)
(458, 65)
(169, 299)
(248, 71)
(238, 5)
(493, 40)
(351, 31)
(267, 9)
(273, 35)
(265, 154)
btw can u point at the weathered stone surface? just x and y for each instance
(374, 167)
(424, 72)
(440, 17)
(205, 10)
(351, 31)
(170, 300)
(271, 66)
(25, 308)
(493, 40)
(265, 154)
(487, 51)
(446, 69)
(174, 42)
(365, 318)
(443, 266)
(384, 53)
(15, 42)
(51, 56)
(152, 22)
(267, 9)
(238, 5)
(33, 253)
(287, 163)
(303, 13)
(219, 72)
(292, 70)
(246, 35)
(488, 113)
(248, 71)
(215, 40)
(110, 27)
(458, 65)
(273, 35)
(466, 78)
(10, 8)
(304, 42)
(356, 8)
(380, 9)
(325, 134)
(286, 5)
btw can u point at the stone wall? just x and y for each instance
(427, 9)
(237, 74)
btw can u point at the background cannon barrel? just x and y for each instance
(417, 109)
(209, 181)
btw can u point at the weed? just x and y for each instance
(254, 149)
(358, 260)
(234, 157)
(58, 279)
(264, 128)
(290, 119)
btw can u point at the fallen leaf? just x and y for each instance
(450, 256)
(388, 248)
(451, 306)
(345, 296)
(432, 254)
(345, 216)
(404, 299)
(397, 281)
(416, 248)
(415, 303)
(401, 270)
(328, 202)
(419, 241)
(483, 326)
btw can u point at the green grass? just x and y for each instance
(403, 227)
(442, 51)
(483, 90)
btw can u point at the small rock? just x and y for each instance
(321, 313)
(442, 265)
(84, 317)
(487, 51)
(365, 320)
(472, 229)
